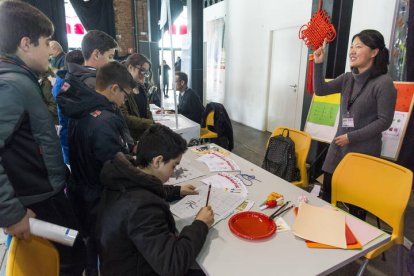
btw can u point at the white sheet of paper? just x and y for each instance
(222, 203)
(319, 224)
(281, 225)
(184, 173)
(226, 182)
(218, 163)
(245, 206)
(362, 231)
(316, 190)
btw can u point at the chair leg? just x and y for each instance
(400, 259)
(362, 268)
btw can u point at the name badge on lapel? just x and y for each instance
(348, 120)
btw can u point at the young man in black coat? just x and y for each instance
(97, 131)
(135, 227)
(189, 104)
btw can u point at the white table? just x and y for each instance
(186, 128)
(154, 107)
(282, 254)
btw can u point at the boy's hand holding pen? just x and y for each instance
(206, 214)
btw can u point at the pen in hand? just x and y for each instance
(208, 194)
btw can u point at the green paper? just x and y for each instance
(323, 113)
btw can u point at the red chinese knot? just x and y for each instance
(317, 29)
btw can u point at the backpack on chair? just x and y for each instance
(280, 157)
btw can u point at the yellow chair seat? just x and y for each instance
(36, 256)
(205, 133)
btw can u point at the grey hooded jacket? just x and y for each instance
(31, 164)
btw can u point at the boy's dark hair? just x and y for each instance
(18, 20)
(114, 73)
(159, 140)
(374, 40)
(182, 77)
(137, 60)
(74, 56)
(99, 40)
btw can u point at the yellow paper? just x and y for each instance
(320, 225)
(333, 98)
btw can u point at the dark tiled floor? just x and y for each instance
(250, 144)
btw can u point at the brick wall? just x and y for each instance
(124, 23)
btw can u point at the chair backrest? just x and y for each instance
(222, 124)
(210, 119)
(36, 256)
(376, 185)
(302, 142)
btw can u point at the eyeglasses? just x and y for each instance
(144, 72)
(124, 91)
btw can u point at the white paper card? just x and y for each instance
(218, 163)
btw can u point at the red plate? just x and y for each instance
(252, 225)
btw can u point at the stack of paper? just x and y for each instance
(326, 227)
(320, 225)
(222, 203)
(217, 162)
(363, 231)
(227, 182)
(209, 148)
(184, 173)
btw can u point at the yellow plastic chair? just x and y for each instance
(381, 188)
(205, 132)
(36, 256)
(302, 142)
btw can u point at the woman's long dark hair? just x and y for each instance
(137, 60)
(374, 40)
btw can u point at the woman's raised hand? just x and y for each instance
(319, 54)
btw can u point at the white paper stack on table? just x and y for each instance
(320, 225)
(223, 203)
(183, 173)
(217, 162)
(227, 182)
(326, 225)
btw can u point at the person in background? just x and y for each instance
(76, 57)
(136, 110)
(98, 48)
(177, 65)
(135, 228)
(367, 106)
(97, 131)
(154, 92)
(46, 87)
(57, 58)
(166, 82)
(189, 103)
(32, 173)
